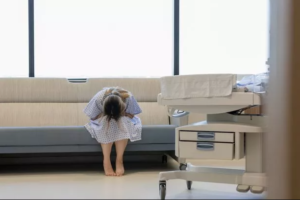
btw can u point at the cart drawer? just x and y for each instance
(206, 136)
(206, 150)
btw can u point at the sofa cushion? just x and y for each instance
(60, 90)
(67, 114)
(49, 136)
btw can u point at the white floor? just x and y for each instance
(88, 182)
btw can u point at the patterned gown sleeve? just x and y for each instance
(132, 106)
(94, 107)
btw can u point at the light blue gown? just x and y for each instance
(107, 132)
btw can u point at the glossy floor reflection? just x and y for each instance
(88, 182)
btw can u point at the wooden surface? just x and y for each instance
(282, 140)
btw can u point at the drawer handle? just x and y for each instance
(206, 136)
(205, 146)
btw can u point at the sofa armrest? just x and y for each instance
(178, 117)
(180, 113)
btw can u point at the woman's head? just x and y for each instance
(114, 103)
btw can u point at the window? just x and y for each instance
(103, 38)
(14, 38)
(224, 36)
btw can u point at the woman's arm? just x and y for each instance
(98, 117)
(94, 107)
(132, 107)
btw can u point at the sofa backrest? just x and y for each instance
(35, 102)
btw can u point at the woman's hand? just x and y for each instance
(98, 117)
(129, 115)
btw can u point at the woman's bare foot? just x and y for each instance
(108, 168)
(119, 168)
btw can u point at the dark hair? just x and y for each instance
(113, 105)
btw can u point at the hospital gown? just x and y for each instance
(107, 132)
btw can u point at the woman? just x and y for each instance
(112, 121)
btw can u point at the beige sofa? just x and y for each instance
(45, 115)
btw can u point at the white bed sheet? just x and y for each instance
(213, 105)
(237, 98)
(197, 86)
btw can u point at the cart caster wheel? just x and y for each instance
(182, 167)
(189, 185)
(162, 189)
(164, 159)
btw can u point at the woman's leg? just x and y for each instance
(120, 148)
(106, 150)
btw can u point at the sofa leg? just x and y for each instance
(164, 159)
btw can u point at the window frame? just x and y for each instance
(267, 61)
(32, 38)
(176, 32)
